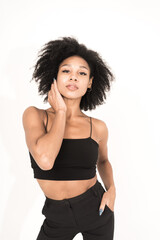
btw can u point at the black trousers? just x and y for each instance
(64, 219)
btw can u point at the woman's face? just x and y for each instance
(75, 70)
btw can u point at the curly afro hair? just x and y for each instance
(51, 56)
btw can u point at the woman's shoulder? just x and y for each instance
(100, 126)
(35, 111)
(30, 110)
(39, 110)
(100, 123)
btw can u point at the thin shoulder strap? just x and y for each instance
(47, 121)
(91, 125)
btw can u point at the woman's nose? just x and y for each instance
(73, 77)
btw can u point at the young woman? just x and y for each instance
(65, 145)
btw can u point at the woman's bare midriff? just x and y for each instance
(59, 190)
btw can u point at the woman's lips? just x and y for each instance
(72, 88)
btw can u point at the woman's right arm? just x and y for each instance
(43, 146)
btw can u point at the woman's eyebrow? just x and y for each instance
(70, 65)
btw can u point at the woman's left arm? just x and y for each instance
(105, 169)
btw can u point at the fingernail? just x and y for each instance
(100, 212)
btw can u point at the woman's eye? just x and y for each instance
(84, 73)
(80, 72)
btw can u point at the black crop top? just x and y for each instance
(76, 160)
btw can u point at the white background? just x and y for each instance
(127, 35)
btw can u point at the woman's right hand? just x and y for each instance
(55, 99)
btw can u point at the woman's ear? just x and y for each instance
(90, 81)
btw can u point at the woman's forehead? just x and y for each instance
(75, 60)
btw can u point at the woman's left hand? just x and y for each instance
(108, 199)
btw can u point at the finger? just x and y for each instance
(55, 83)
(101, 211)
(53, 87)
(101, 208)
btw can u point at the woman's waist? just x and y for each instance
(58, 190)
